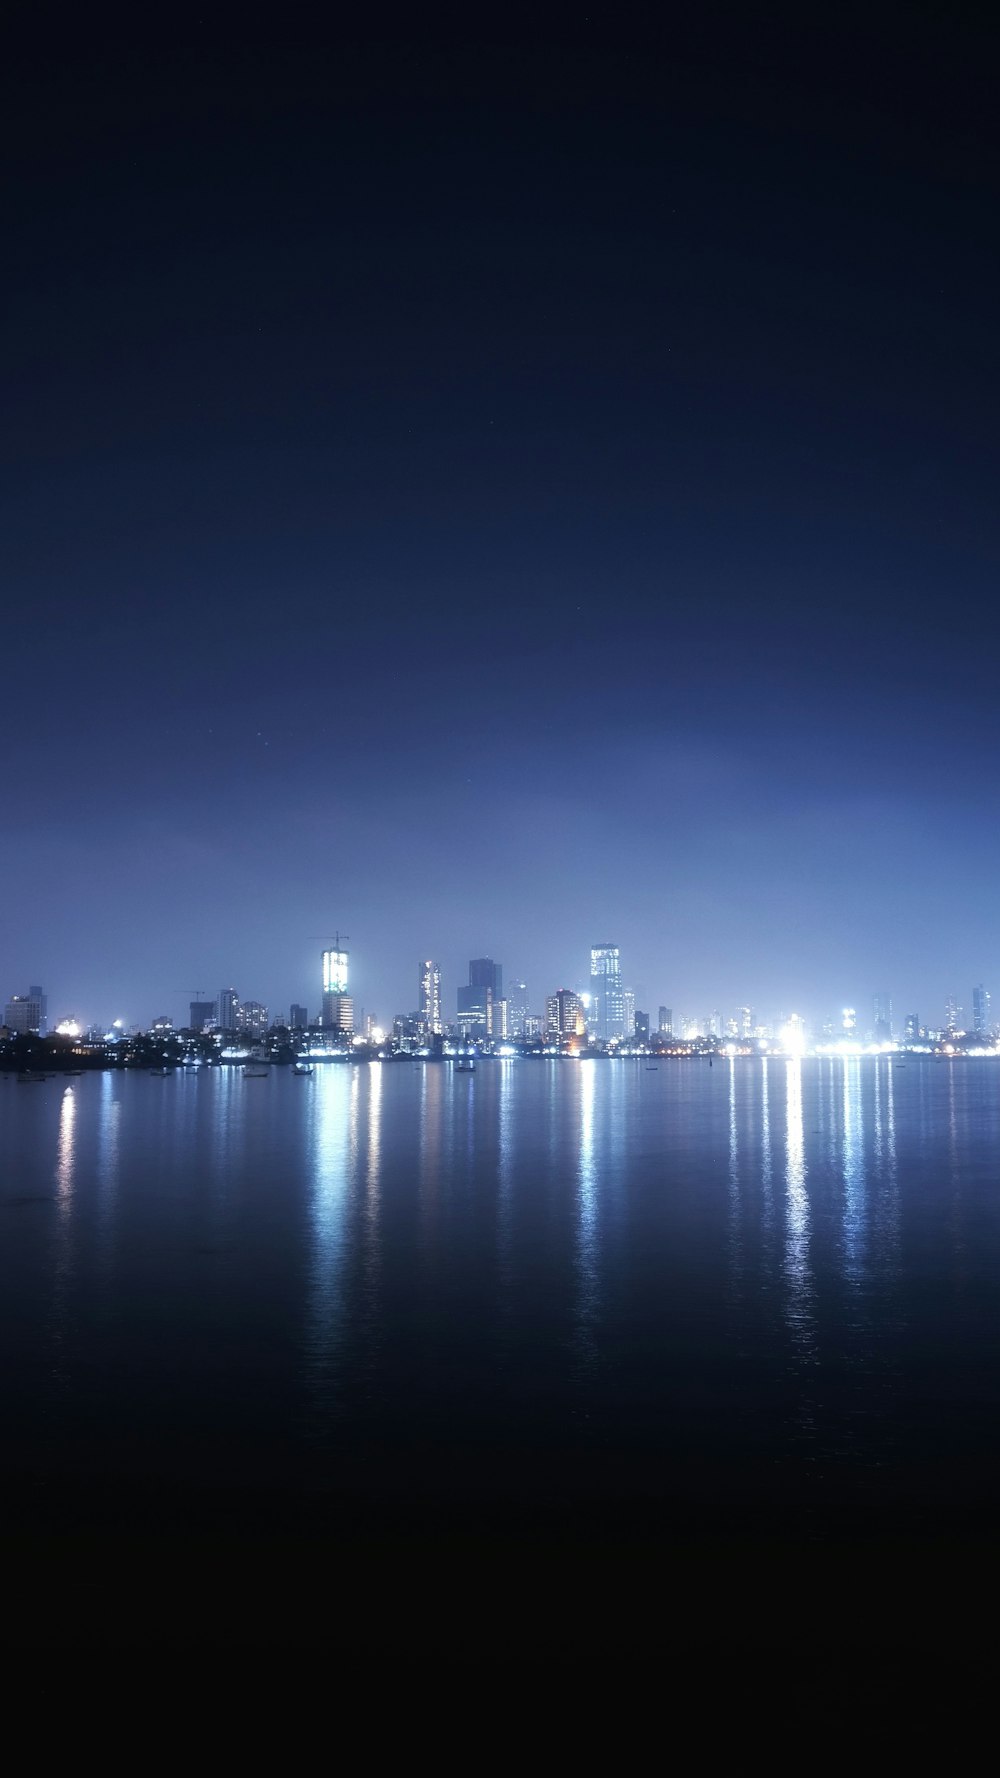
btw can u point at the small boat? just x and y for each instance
(465, 1065)
(256, 1071)
(161, 1072)
(27, 1079)
(652, 1067)
(302, 1068)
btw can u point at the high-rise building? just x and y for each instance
(882, 1012)
(665, 1021)
(484, 973)
(298, 1017)
(338, 1007)
(429, 1001)
(744, 1021)
(564, 1016)
(24, 1013)
(228, 1010)
(952, 1015)
(848, 1019)
(475, 1011)
(517, 1008)
(254, 1016)
(628, 1002)
(642, 1027)
(481, 997)
(202, 1013)
(36, 993)
(911, 1027)
(981, 1011)
(607, 996)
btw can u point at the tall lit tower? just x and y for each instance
(607, 996)
(429, 1002)
(981, 1011)
(338, 1007)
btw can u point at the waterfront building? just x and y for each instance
(564, 1016)
(952, 1015)
(338, 1013)
(228, 1010)
(429, 996)
(981, 1011)
(484, 973)
(882, 1014)
(479, 1003)
(298, 1017)
(628, 1001)
(254, 1018)
(36, 993)
(642, 1027)
(24, 1013)
(665, 1021)
(911, 1027)
(202, 1013)
(607, 996)
(517, 1008)
(848, 1019)
(338, 1006)
(475, 1011)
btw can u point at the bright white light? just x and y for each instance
(793, 1037)
(68, 1028)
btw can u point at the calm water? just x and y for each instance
(557, 1302)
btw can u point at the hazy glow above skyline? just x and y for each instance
(498, 500)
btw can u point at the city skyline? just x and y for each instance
(875, 1016)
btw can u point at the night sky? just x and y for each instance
(494, 496)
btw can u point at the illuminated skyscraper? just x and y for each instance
(429, 1002)
(517, 1008)
(476, 1003)
(665, 1021)
(607, 997)
(564, 1015)
(338, 1007)
(952, 1015)
(228, 1013)
(253, 1016)
(981, 1011)
(882, 1009)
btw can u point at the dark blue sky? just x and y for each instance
(494, 496)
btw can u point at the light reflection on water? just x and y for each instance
(574, 1241)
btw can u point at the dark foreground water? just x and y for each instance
(561, 1357)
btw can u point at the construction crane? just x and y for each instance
(337, 940)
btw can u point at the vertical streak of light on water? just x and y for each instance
(957, 1227)
(373, 1196)
(853, 1173)
(505, 1172)
(799, 1292)
(587, 1235)
(432, 1107)
(334, 1152)
(766, 1165)
(63, 1252)
(736, 1267)
(108, 1135)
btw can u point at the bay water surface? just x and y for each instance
(543, 1344)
